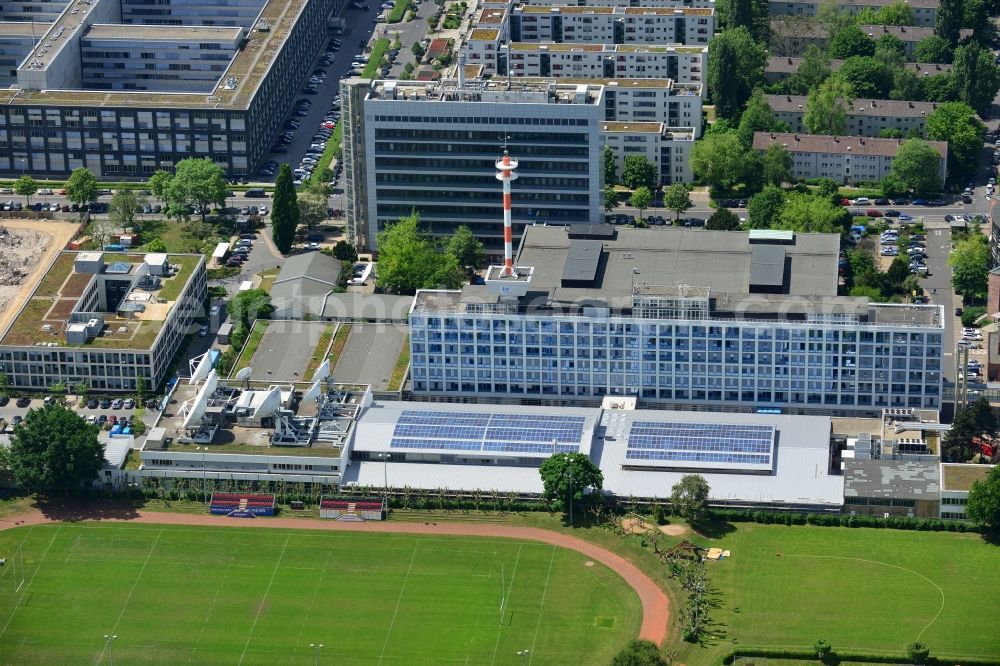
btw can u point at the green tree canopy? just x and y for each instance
(764, 208)
(938, 88)
(916, 166)
(866, 77)
(638, 171)
(26, 186)
(466, 248)
(678, 199)
(122, 208)
(248, 306)
(639, 652)
(905, 84)
(974, 421)
(827, 106)
(642, 197)
(566, 478)
(312, 201)
(777, 162)
(758, 117)
(898, 13)
(735, 67)
(689, 498)
(723, 219)
(54, 451)
(81, 188)
(813, 214)
(949, 19)
(983, 505)
(159, 182)
(933, 49)
(285, 212)
(814, 70)
(976, 76)
(609, 197)
(970, 267)
(344, 251)
(410, 260)
(196, 182)
(958, 124)
(610, 166)
(719, 160)
(849, 41)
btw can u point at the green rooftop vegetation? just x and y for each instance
(57, 274)
(325, 452)
(961, 477)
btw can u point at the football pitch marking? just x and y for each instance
(30, 581)
(130, 592)
(504, 596)
(260, 606)
(541, 605)
(399, 600)
(895, 566)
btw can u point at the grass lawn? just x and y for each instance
(402, 363)
(261, 596)
(398, 10)
(339, 342)
(267, 278)
(256, 333)
(379, 48)
(864, 590)
(319, 352)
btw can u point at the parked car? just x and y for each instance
(871, 212)
(129, 404)
(23, 402)
(891, 213)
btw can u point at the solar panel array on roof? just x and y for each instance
(711, 445)
(118, 268)
(477, 431)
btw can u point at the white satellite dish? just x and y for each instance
(269, 404)
(196, 407)
(203, 368)
(312, 393)
(243, 374)
(322, 372)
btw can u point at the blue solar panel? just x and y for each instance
(701, 443)
(471, 431)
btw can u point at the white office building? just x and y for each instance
(681, 318)
(669, 148)
(612, 25)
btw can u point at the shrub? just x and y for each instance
(917, 653)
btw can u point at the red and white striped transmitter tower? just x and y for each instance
(506, 172)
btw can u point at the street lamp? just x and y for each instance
(204, 474)
(110, 638)
(316, 648)
(523, 654)
(569, 474)
(384, 457)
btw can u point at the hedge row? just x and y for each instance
(862, 657)
(842, 520)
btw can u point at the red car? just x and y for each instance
(871, 212)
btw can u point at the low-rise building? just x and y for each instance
(910, 488)
(669, 148)
(956, 482)
(865, 117)
(104, 321)
(304, 285)
(791, 35)
(845, 159)
(924, 11)
(781, 67)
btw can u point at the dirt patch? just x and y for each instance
(673, 530)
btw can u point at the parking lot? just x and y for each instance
(96, 410)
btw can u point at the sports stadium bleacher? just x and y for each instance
(352, 509)
(242, 505)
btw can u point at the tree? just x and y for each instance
(976, 76)
(917, 653)
(689, 498)
(958, 124)
(102, 230)
(140, 389)
(933, 49)
(642, 197)
(765, 207)
(466, 248)
(905, 85)
(417, 50)
(833, 18)
(976, 15)
(973, 422)
(566, 478)
(866, 77)
(777, 163)
(677, 198)
(26, 186)
(158, 184)
(898, 13)
(983, 505)
(155, 245)
(827, 107)
(609, 197)
(409, 260)
(122, 208)
(4, 385)
(735, 67)
(639, 652)
(938, 88)
(735, 13)
(610, 166)
(807, 213)
(757, 117)
(719, 160)
(344, 251)
(196, 182)
(970, 266)
(723, 219)
(822, 648)
(916, 165)
(312, 202)
(81, 188)
(814, 70)
(54, 451)
(850, 41)
(948, 24)
(285, 213)
(248, 306)
(638, 171)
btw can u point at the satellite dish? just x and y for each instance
(312, 393)
(243, 374)
(322, 372)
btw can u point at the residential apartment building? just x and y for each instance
(433, 147)
(16, 42)
(701, 4)
(845, 159)
(956, 482)
(160, 58)
(669, 148)
(611, 25)
(781, 67)
(924, 11)
(684, 64)
(53, 125)
(865, 117)
(104, 321)
(791, 35)
(689, 319)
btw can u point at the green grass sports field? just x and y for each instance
(177, 595)
(864, 590)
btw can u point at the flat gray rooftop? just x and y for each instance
(893, 479)
(285, 350)
(370, 355)
(166, 33)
